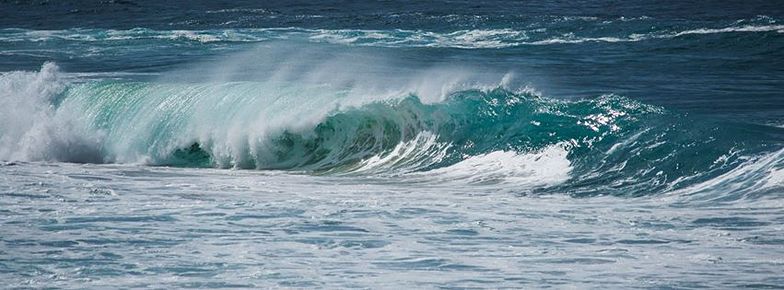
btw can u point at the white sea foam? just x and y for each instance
(411, 155)
(744, 28)
(522, 171)
(573, 39)
(755, 175)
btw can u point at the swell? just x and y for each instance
(494, 137)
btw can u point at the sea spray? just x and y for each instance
(31, 126)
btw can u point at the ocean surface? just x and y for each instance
(392, 144)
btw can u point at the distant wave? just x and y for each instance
(465, 39)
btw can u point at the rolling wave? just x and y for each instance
(485, 136)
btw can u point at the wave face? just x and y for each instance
(480, 135)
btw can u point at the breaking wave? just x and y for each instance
(480, 135)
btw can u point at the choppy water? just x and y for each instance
(389, 145)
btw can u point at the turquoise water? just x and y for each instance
(388, 145)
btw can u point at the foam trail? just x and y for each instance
(756, 176)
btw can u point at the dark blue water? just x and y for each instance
(627, 144)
